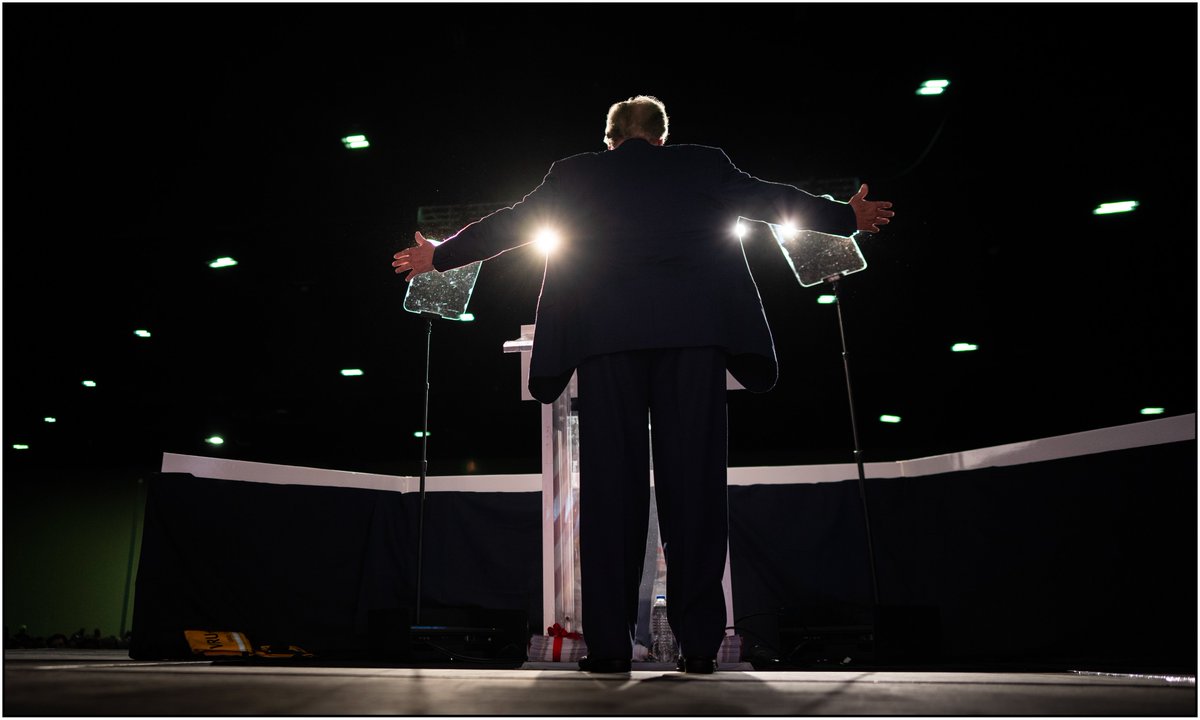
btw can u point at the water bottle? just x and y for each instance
(665, 648)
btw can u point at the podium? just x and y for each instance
(561, 596)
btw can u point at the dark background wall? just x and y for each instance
(72, 541)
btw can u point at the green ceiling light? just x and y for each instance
(355, 142)
(351, 372)
(215, 440)
(826, 299)
(933, 87)
(222, 262)
(1110, 208)
(89, 383)
(50, 419)
(142, 333)
(419, 434)
(467, 317)
(964, 347)
(20, 446)
(889, 418)
(1153, 411)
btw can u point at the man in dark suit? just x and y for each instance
(649, 298)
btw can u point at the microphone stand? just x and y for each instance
(862, 475)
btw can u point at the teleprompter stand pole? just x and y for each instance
(424, 460)
(862, 475)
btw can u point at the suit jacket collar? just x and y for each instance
(640, 143)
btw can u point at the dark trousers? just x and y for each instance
(680, 393)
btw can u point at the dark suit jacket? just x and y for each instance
(648, 257)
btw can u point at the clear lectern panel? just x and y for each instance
(815, 257)
(443, 293)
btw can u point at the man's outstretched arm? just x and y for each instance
(483, 239)
(758, 199)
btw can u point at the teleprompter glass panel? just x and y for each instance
(816, 257)
(443, 293)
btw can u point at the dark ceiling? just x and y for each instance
(141, 141)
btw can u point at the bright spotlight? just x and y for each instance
(933, 87)
(789, 230)
(1109, 208)
(546, 240)
(739, 230)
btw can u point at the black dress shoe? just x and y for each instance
(597, 665)
(697, 666)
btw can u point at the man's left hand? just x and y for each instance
(415, 260)
(870, 213)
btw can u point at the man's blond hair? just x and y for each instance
(643, 117)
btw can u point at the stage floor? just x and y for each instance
(107, 682)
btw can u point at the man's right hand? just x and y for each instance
(870, 213)
(415, 260)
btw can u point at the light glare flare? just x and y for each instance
(547, 240)
(889, 418)
(1153, 411)
(215, 440)
(142, 333)
(89, 383)
(352, 372)
(826, 299)
(963, 347)
(223, 262)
